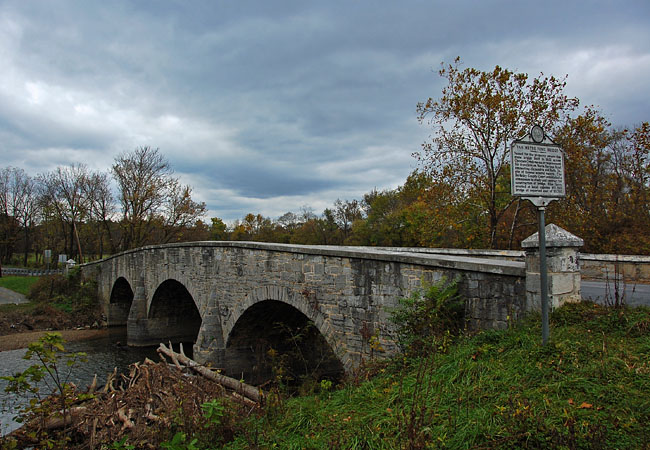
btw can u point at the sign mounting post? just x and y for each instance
(537, 174)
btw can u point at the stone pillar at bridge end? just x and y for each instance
(563, 268)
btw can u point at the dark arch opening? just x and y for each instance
(120, 302)
(173, 315)
(273, 341)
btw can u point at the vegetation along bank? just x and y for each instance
(588, 388)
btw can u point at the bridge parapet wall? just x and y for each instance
(630, 268)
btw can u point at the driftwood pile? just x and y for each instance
(144, 405)
(240, 390)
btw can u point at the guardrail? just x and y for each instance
(21, 272)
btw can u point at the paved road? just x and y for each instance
(597, 291)
(9, 296)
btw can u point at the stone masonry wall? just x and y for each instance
(348, 293)
(631, 268)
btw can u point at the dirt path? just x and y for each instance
(22, 340)
(9, 296)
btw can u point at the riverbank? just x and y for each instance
(589, 387)
(31, 306)
(498, 389)
(16, 341)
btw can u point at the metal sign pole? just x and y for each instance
(543, 274)
(537, 174)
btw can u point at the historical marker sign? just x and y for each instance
(537, 170)
(537, 174)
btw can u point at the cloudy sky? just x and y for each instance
(268, 106)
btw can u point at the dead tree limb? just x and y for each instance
(248, 391)
(126, 420)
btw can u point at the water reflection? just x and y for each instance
(104, 355)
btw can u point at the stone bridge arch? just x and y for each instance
(173, 309)
(273, 318)
(120, 302)
(171, 313)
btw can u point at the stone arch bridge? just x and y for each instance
(223, 296)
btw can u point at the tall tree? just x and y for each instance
(180, 212)
(475, 120)
(346, 213)
(101, 209)
(143, 177)
(151, 197)
(385, 221)
(63, 191)
(218, 229)
(18, 210)
(608, 184)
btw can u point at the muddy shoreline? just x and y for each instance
(16, 341)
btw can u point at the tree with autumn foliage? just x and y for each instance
(608, 184)
(474, 122)
(152, 199)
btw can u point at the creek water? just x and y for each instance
(103, 356)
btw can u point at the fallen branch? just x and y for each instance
(108, 387)
(60, 421)
(128, 423)
(246, 390)
(243, 400)
(93, 432)
(172, 354)
(93, 386)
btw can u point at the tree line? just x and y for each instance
(458, 196)
(73, 211)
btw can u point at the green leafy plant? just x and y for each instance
(52, 371)
(120, 445)
(438, 311)
(213, 411)
(179, 442)
(325, 385)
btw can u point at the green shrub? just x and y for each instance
(435, 313)
(47, 287)
(71, 293)
(52, 369)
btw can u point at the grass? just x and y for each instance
(71, 295)
(588, 388)
(22, 286)
(18, 284)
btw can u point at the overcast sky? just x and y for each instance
(267, 106)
